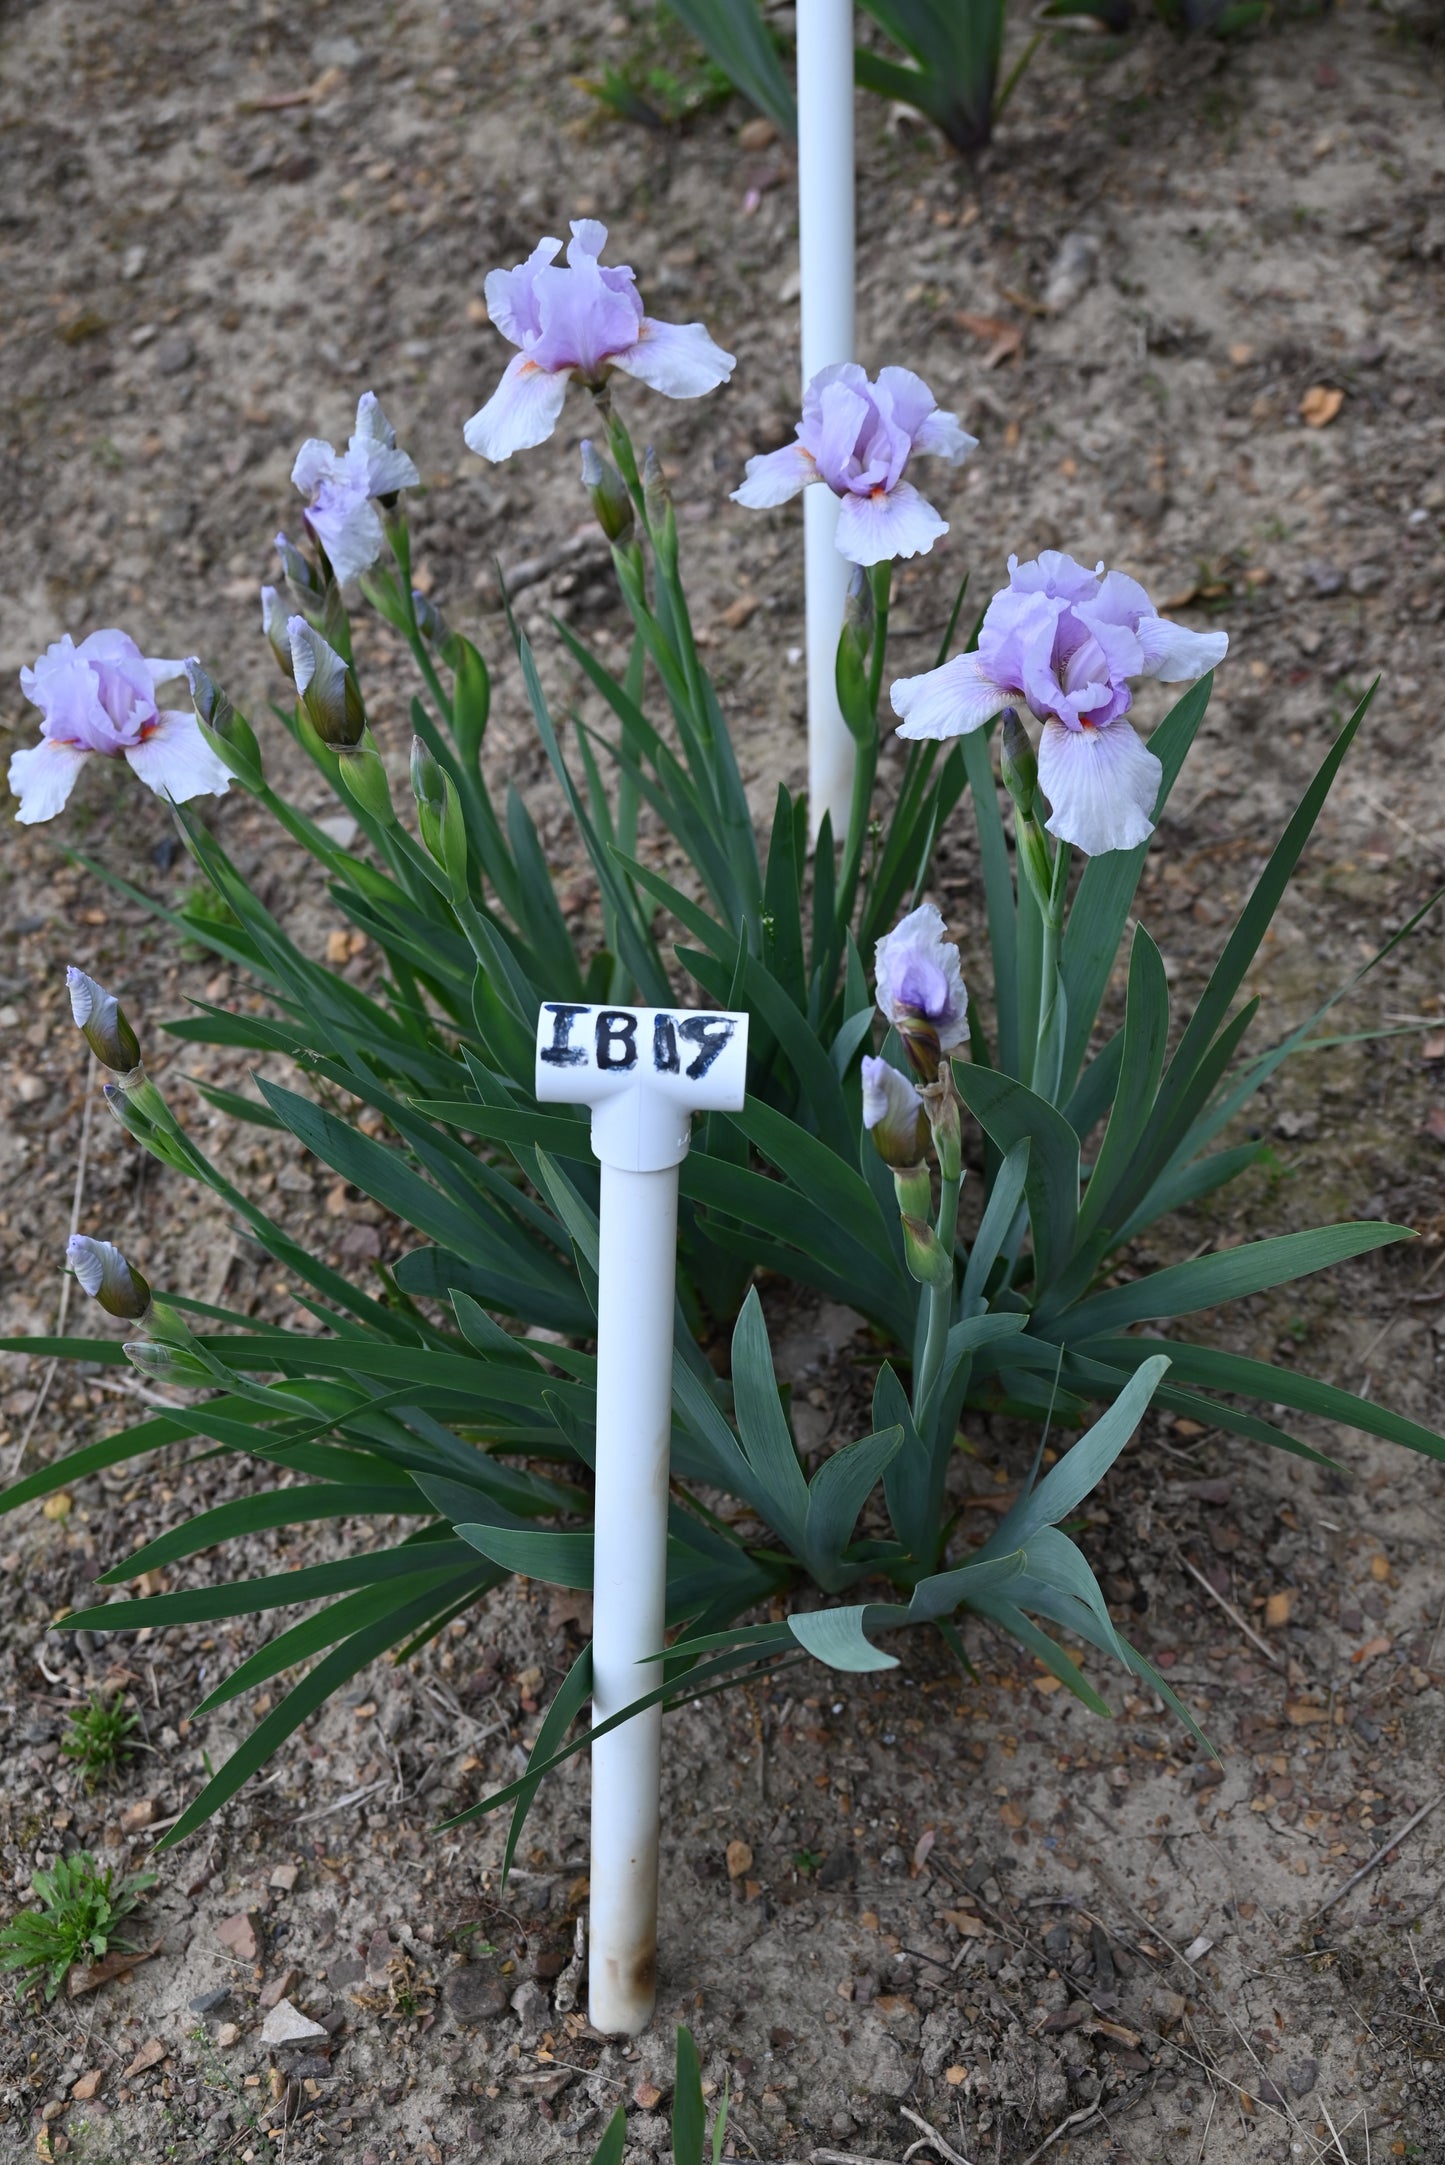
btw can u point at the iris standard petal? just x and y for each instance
(1102, 786)
(42, 777)
(315, 462)
(175, 760)
(522, 411)
(898, 522)
(947, 702)
(511, 295)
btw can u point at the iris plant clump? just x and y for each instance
(453, 1388)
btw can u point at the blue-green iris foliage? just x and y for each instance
(422, 1398)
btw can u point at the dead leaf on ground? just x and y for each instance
(90, 1976)
(739, 1859)
(1320, 404)
(1004, 340)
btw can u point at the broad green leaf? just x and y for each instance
(689, 2115)
(836, 1637)
(1009, 1114)
(763, 1426)
(563, 1559)
(614, 2140)
(1081, 1469)
(312, 1692)
(1106, 891)
(995, 1225)
(1279, 1386)
(1208, 1280)
(733, 34)
(838, 1492)
(299, 1506)
(1146, 1033)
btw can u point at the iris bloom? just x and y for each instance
(100, 697)
(585, 320)
(858, 437)
(340, 487)
(920, 988)
(1064, 641)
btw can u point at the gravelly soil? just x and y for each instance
(966, 1905)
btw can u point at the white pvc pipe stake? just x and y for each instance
(825, 246)
(644, 1071)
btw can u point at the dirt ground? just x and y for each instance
(968, 1908)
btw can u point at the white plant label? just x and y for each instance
(644, 1071)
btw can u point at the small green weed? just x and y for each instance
(80, 1906)
(98, 1738)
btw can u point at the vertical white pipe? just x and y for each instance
(636, 1277)
(825, 238)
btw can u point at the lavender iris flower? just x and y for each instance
(340, 487)
(1064, 641)
(100, 698)
(858, 437)
(580, 319)
(919, 976)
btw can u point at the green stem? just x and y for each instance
(1044, 1078)
(865, 760)
(940, 1309)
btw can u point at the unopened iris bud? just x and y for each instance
(941, 1102)
(230, 732)
(859, 612)
(273, 624)
(167, 1364)
(610, 500)
(301, 576)
(923, 1251)
(1016, 760)
(893, 1114)
(100, 1020)
(361, 771)
(106, 1276)
(429, 620)
(655, 492)
(428, 786)
(327, 687)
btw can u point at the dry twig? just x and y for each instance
(1380, 1855)
(931, 2140)
(1240, 1623)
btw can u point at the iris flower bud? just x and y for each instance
(859, 613)
(893, 1114)
(106, 1276)
(230, 732)
(327, 688)
(610, 500)
(99, 1018)
(1016, 759)
(301, 577)
(428, 786)
(167, 1364)
(273, 624)
(923, 1251)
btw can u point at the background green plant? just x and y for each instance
(80, 1905)
(97, 1737)
(421, 1397)
(952, 52)
(691, 2144)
